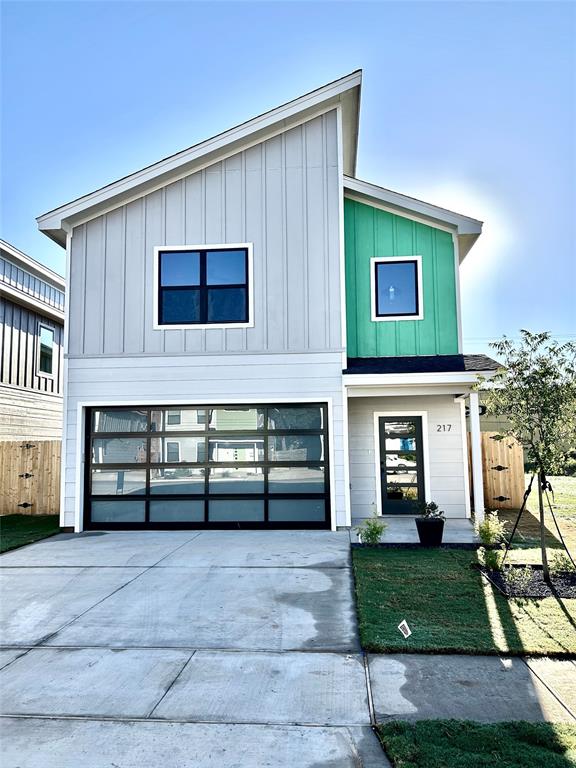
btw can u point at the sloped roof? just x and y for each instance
(466, 228)
(344, 92)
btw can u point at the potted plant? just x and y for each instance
(430, 524)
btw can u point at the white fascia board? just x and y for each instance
(414, 390)
(344, 91)
(462, 225)
(410, 379)
(34, 267)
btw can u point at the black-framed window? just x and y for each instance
(207, 286)
(46, 337)
(396, 286)
(257, 465)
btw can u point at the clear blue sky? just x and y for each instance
(467, 105)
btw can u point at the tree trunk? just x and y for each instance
(545, 569)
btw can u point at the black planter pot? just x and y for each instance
(430, 530)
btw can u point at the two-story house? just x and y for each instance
(31, 347)
(256, 338)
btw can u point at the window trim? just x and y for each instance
(374, 261)
(52, 329)
(158, 249)
(165, 457)
(173, 412)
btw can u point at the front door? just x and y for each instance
(401, 464)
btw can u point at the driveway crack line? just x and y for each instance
(118, 589)
(169, 688)
(550, 689)
(371, 711)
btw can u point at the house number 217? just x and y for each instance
(443, 427)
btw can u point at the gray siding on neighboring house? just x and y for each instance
(203, 379)
(281, 195)
(28, 415)
(19, 349)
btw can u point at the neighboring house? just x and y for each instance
(259, 339)
(31, 348)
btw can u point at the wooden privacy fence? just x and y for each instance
(30, 477)
(503, 471)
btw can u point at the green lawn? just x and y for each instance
(17, 530)
(527, 538)
(450, 607)
(462, 744)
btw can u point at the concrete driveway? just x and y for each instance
(203, 649)
(221, 650)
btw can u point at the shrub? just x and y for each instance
(492, 558)
(491, 531)
(371, 530)
(561, 563)
(517, 579)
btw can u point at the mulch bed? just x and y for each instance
(563, 585)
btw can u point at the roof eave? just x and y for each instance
(35, 267)
(467, 229)
(344, 92)
(414, 379)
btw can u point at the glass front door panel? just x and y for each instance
(401, 464)
(188, 466)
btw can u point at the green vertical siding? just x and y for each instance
(372, 232)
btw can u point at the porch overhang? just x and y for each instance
(390, 384)
(418, 375)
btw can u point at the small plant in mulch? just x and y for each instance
(518, 578)
(371, 530)
(527, 581)
(560, 564)
(491, 559)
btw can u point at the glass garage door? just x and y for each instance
(215, 467)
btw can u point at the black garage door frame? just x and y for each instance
(264, 433)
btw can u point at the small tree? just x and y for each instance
(536, 392)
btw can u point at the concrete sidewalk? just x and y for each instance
(220, 649)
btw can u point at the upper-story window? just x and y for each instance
(46, 351)
(204, 286)
(397, 288)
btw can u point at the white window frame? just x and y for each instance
(172, 442)
(373, 302)
(39, 372)
(158, 249)
(173, 412)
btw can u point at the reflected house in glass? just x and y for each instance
(272, 343)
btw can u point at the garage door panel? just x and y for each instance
(253, 466)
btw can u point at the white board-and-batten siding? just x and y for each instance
(447, 479)
(282, 195)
